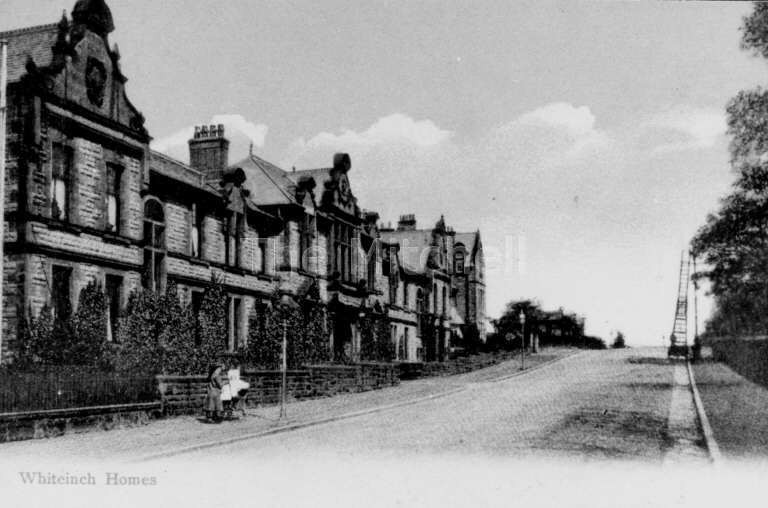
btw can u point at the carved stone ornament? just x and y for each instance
(344, 191)
(95, 81)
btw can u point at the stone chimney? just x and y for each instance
(209, 151)
(407, 223)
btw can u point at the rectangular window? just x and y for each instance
(342, 239)
(444, 300)
(196, 233)
(393, 283)
(305, 241)
(405, 343)
(61, 302)
(405, 294)
(61, 169)
(238, 239)
(114, 174)
(233, 229)
(113, 288)
(262, 261)
(370, 260)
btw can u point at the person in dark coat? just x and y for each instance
(213, 404)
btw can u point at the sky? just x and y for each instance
(586, 140)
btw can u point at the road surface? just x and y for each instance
(594, 405)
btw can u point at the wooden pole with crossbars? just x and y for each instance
(3, 108)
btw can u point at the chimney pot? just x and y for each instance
(209, 150)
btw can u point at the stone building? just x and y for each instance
(87, 199)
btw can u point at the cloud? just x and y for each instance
(578, 121)
(686, 128)
(238, 131)
(393, 130)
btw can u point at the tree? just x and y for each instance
(212, 325)
(157, 336)
(619, 342)
(508, 325)
(733, 243)
(73, 339)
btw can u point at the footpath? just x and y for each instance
(176, 435)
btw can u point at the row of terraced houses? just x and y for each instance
(86, 198)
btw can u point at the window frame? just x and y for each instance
(61, 292)
(62, 165)
(114, 187)
(154, 246)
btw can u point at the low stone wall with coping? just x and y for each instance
(185, 394)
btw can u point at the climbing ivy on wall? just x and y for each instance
(375, 340)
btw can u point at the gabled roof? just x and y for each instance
(467, 239)
(415, 246)
(269, 185)
(35, 42)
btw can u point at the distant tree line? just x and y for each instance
(552, 328)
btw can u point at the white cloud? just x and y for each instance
(237, 129)
(578, 121)
(689, 128)
(395, 129)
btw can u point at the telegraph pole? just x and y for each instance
(3, 108)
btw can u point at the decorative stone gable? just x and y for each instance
(84, 70)
(338, 193)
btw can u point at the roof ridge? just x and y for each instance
(279, 187)
(173, 159)
(29, 29)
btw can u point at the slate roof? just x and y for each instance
(269, 185)
(36, 42)
(320, 175)
(414, 247)
(177, 170)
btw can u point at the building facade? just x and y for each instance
(87, 199)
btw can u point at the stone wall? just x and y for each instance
(48, 424)
(182, 394)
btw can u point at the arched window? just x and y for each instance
(154, 245)
(458, 262)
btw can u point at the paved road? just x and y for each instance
(461, 449)
(595, 405)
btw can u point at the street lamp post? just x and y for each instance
(286, 303)
(522, 340)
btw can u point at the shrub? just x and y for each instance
(306, 328)
(157, 336)
(80, 339)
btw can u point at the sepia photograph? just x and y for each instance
(309, 253)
